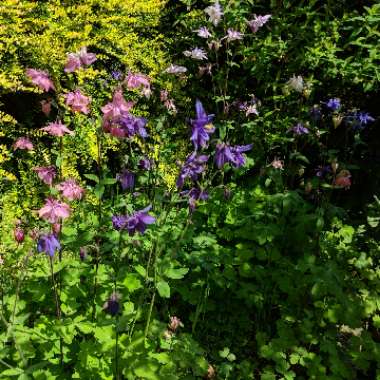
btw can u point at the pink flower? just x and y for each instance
(54, 210)
(277, 164)
(57, 129)
(46, 174)
(19, 234)
(343, 179)
(70, 189)
(233, 35)
(46, 106)
(41, 79)
(258, 22)
(117, 107)
(78, 102)
(174, 323)
(77, 60)
(137, 80)
(23, 143)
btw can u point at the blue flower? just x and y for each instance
(333, 104)
(201, 127)
(49, 244)
(193, 166)
(299, 129)
(230, 154)
(127, 179)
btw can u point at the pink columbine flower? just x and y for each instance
(23, 143)
(78, 102)
(41, 79)
(196, 53)
(215, 13)
(277, 164)
(46, 174)
(57, 129)
(70, 189)
(174, 323)
(203, 32)
(137, 80)
(46, 106)
(117, 107)
(76, 60)
(343, 179)
(258, 22)
(54, 210)
(233, 35)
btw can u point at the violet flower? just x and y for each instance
(77, 60)
(127, 179)
(57, 129)
(135, 222)
(144, 164)
(203, 32)
(196, 53)
(193, 166)
(201, 127)
(230, 154)
(333, 104)
(23, 143)
(258, 22)
(46, 174)
(49, 244)
(112, 305)
(41, 79)
(215, 13)
(194, 196)
(233, 35)
(299, 129)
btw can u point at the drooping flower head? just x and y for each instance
(194, 165)
(194, 196)
(201, 127)
(299, 129)
(117, 107)
(174, 323)
(112, 305)
(46, 106)
(127, 179)
(78, 102)
(226, 153)
(135, 222)
(23, 143)
(296, 83)
(215, 13)
(41, 79)
(46, 174)
(343, 179)
(277, 164)
(49, 244)
(70, 189)
(57, 129)
(138, 81)
(196, 53)
(358, 120)
(54, 210)
(19, 234)
(78, 60)
(258, 22)
(203, 32)
(176, 69)
(145, 164)
(323, 170)
(333, 104)
(233, 35)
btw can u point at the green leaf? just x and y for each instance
(132, 282)
(108, 181)
(93, 177)
(99, 190)
(12, 372)
(163, 289)
(176, 273)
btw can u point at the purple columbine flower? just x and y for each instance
(117, 75)
(145, 164)
(226, 153)
(139, 221)
(323, 170)
(315, 113)
(127, 179)
(195, 195)
(48, 243)
(119, 222)
(112, 305)
(333, 104)
(299, 129)
(201, 126)
(193, 166)
(364, 118)
(258, 22)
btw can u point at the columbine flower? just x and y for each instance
(258, 22)
(117, 107)
(57, 129)
(203, 32)
(230, 154)
(78, 102)
(49, 244)
(215, 13)
(136, 222)
(299, 129)
(70, 189)
(46, 174)
(322, 171)
(19, 234)
(333, 104)
(41, 79)
(343, 179)
(127, 179)
(112, 305)
(119, 222)
(195, 195)
(46, 106)
(54, 210)
(364, 118)
(144, 164)
(201, 126)
(233, 35)
(277, 164)
(117, 75)
(359, 120)
(296, 83)
(77, 60)
(23, 143)
(175, 69)
(196, 53)
(134, 81)
(174, 323)
(193, 166)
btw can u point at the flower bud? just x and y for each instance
(83, 253)
(56, 228)
(174, 323)
(337, 120)
(19, 234)
(34, 233)
(210, 372)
